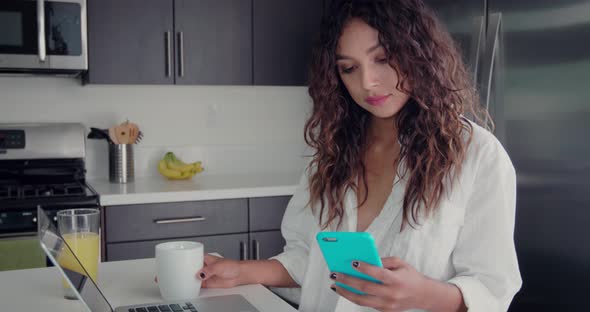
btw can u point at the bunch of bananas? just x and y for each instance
(175, 169)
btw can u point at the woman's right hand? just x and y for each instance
(219, 272)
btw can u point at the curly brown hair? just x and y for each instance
(431, 125)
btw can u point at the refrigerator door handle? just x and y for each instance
(492, 47)
(476, 56)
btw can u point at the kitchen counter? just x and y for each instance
(158, 189)
(122, 282)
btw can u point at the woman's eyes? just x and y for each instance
(350, 69)
(347, 70)
(382, 60)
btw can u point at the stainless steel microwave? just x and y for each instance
(43, 36)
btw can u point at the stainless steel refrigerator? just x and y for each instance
(531, 63)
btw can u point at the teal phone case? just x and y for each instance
(340, 249)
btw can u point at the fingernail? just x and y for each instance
(333, 276)
(355, 264)
(202, 275)
(333, 288)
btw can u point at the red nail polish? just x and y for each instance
(202, 275)
(333, 276)
(355, 264)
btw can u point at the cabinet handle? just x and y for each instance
(181, 220)
(256, 249)
(180, 54)
(243, 251)
(168, 54)
(41, 30)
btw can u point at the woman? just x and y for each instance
(395, 156)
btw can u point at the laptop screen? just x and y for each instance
(56, 248)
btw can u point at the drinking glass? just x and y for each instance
(79, 228)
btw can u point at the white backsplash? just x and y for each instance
(232, 129)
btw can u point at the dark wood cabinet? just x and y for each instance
(129, 42)
(201, 42)
(283, 32)
(266, 213)
(132, 231)
(265, 218)
(180, 219)
(170, 42)
(214, 42)
(230, 246)
(264, 245)
(235, 228)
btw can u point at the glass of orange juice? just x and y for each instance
(79, 228)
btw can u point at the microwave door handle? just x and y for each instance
(41, 29)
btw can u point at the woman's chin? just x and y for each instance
(383, 112)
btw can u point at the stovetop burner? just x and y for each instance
(42, 190)
(58, 183)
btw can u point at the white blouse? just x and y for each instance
(468, 242)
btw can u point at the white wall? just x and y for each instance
(230, 128)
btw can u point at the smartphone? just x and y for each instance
(340, 249)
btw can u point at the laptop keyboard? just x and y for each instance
(166, 308)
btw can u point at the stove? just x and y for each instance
(42, 190)
(41, 165)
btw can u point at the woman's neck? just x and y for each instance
(382, 134)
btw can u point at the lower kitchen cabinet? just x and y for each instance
(265, 217)
(230, 246)
(266, 213)
(246, 228)
(264, 245)
(128, 223)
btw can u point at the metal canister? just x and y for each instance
(121, 163)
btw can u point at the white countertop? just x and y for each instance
(158, 189)
(122, 282)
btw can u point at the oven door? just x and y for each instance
(21, 252)
(42, 35)
(19, 244)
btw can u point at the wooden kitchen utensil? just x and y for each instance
(122, 133)
(113, 136)
(133, 132)
(125, 133)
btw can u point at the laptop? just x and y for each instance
(92, 297)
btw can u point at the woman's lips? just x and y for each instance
(376, 100)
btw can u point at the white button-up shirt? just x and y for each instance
(467, 242)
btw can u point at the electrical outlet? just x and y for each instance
(211, 115)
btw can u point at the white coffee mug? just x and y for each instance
(177, 264)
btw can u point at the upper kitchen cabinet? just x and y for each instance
(213, 41)
(170, 42)
(130, 42)
(282, 40)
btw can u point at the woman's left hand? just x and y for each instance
(402, 286)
